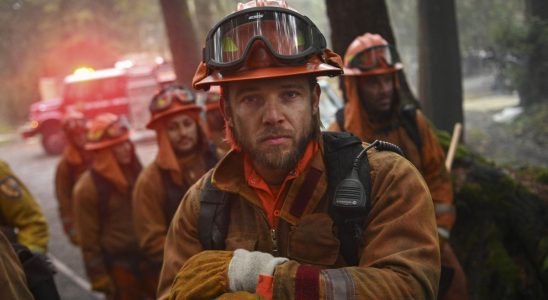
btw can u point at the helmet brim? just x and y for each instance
(169, 112)
(106, 143)
(377, 71)
(216, 78)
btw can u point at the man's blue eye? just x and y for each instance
(249, 99)
(291, 94)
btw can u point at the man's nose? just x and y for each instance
(273, 113)
(182, 130)
(386, 84)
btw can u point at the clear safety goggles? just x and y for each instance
(290, 37)
(372, 58)
(167, 97)
(114, 130)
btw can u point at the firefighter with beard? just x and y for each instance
(268, 220)
(373, 111)
(73, 164)
(102, 198)
(184, 155)
(215, 121)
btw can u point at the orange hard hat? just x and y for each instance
(74, 122)
(107, 130)
(170, 100)
(369, 54)
(264, 39)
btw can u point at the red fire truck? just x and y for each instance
(123, 91)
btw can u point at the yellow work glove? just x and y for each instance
(203, 276)
(103, 284)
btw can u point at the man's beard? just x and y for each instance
(183, 153)
(186, 152)
(274, 157)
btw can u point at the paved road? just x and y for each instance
(37, 170)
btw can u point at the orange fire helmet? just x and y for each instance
(74, 122)
(107, 130)
(264, 39)
(369, 54)
(170, 100)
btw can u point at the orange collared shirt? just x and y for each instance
(271, 196)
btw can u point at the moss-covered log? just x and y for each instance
(501, 232)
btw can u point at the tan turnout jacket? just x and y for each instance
(400, 258)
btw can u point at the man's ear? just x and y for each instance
(315, 96)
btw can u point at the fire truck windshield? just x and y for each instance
(94, 90)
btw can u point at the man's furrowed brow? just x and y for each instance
(245, 90)
(289, 86)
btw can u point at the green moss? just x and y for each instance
(470, 190)
(502, 265)
(539, 174)
(532, 123)
(542, 176)
(444, 138)
(489, 191)
(543, 248)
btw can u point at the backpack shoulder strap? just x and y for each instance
(408, 115)
(339, 118)
(210, 155)
(104, 188)
(174, 194)
(214, 217)
(341, 148)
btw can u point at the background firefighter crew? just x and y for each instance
(373, 111)
(20, 212)
(103, 211)
(74, 162)
(280, 240)
(184, 155)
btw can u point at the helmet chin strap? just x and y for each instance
(396, 81)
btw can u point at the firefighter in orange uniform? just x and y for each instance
(102, 212)
(74, 162)
(184, 155)
(373, 111)
(215, 121)
(275, 217)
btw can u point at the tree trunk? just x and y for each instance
(440, 81)
(182, 39)
(203, 17)
(351, 18)
(532, 87)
